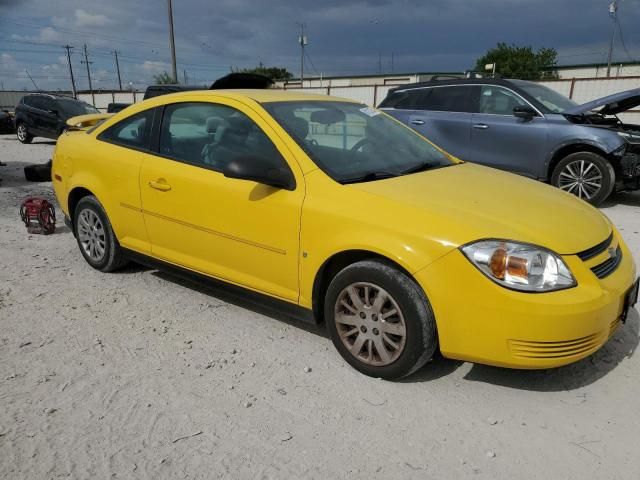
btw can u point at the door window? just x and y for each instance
(134, 131)
(37, 102)
(210, 135)
(499, 101)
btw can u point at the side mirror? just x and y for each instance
(524, 112)
(261, 170)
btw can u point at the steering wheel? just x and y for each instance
(360, 143)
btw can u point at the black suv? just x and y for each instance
(44, 115)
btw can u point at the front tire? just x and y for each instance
(587, 175)
(380, 320)
(23, 134)
(98, 244)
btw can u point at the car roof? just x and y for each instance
(55, 96)
(258, 95)
(506, 82)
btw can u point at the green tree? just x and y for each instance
(163, 78)
(513, 61)
(274, 73)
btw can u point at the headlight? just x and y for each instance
(520, 266)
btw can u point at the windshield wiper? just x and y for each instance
(421, 167)
(369, 177)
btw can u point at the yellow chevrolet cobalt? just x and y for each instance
(346, 215)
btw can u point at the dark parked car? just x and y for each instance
(527, 128)
(45, 115)
(6, 122)
(157, 90)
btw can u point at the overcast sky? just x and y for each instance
(345, 37)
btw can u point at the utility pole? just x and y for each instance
(87, 63)
(380, 62)
(73, 82)
(184, 75)
(115, 52)
(613, 14)
(173, 43)
(302, 39)
(392, 62)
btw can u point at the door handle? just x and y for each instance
(417, 122)
(160, 184)
(480, 126)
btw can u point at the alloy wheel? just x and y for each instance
(22, 132)
(583, 178)
(91, 234)
(370, 324)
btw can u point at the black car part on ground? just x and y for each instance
(38, 173)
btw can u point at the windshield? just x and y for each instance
(73, 108)
(554, 101)
(352, 142)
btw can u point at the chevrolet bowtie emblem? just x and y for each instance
(612, 252)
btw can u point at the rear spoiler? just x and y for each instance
(81, 122)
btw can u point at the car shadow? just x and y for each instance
(240, 297)
(631, 199)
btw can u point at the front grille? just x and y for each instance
(608, 266)
(595, 250)
(569, 348)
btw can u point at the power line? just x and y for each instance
(622, 41)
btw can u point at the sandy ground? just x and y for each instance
(140, 375)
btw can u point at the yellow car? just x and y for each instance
(336, 208)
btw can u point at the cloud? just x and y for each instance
(86, 19)
(154, 67)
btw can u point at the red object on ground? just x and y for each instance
(38, 215)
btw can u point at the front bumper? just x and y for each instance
(485, 323)
(630, 172)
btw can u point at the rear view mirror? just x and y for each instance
(525, 112)
(327, 116)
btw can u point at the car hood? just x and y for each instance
(611, 104)
(473, 202)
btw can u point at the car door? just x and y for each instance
(35, 119)
(236, 230)
(501, 140)
(441, 114)
(117, 163)
(49, 118)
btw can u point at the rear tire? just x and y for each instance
(22, 133)
(96, 240)
(380, 320)
(587, 175)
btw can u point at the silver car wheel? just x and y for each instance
(370, 324)
(22, 132)
(583, 178)
(91, 234)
